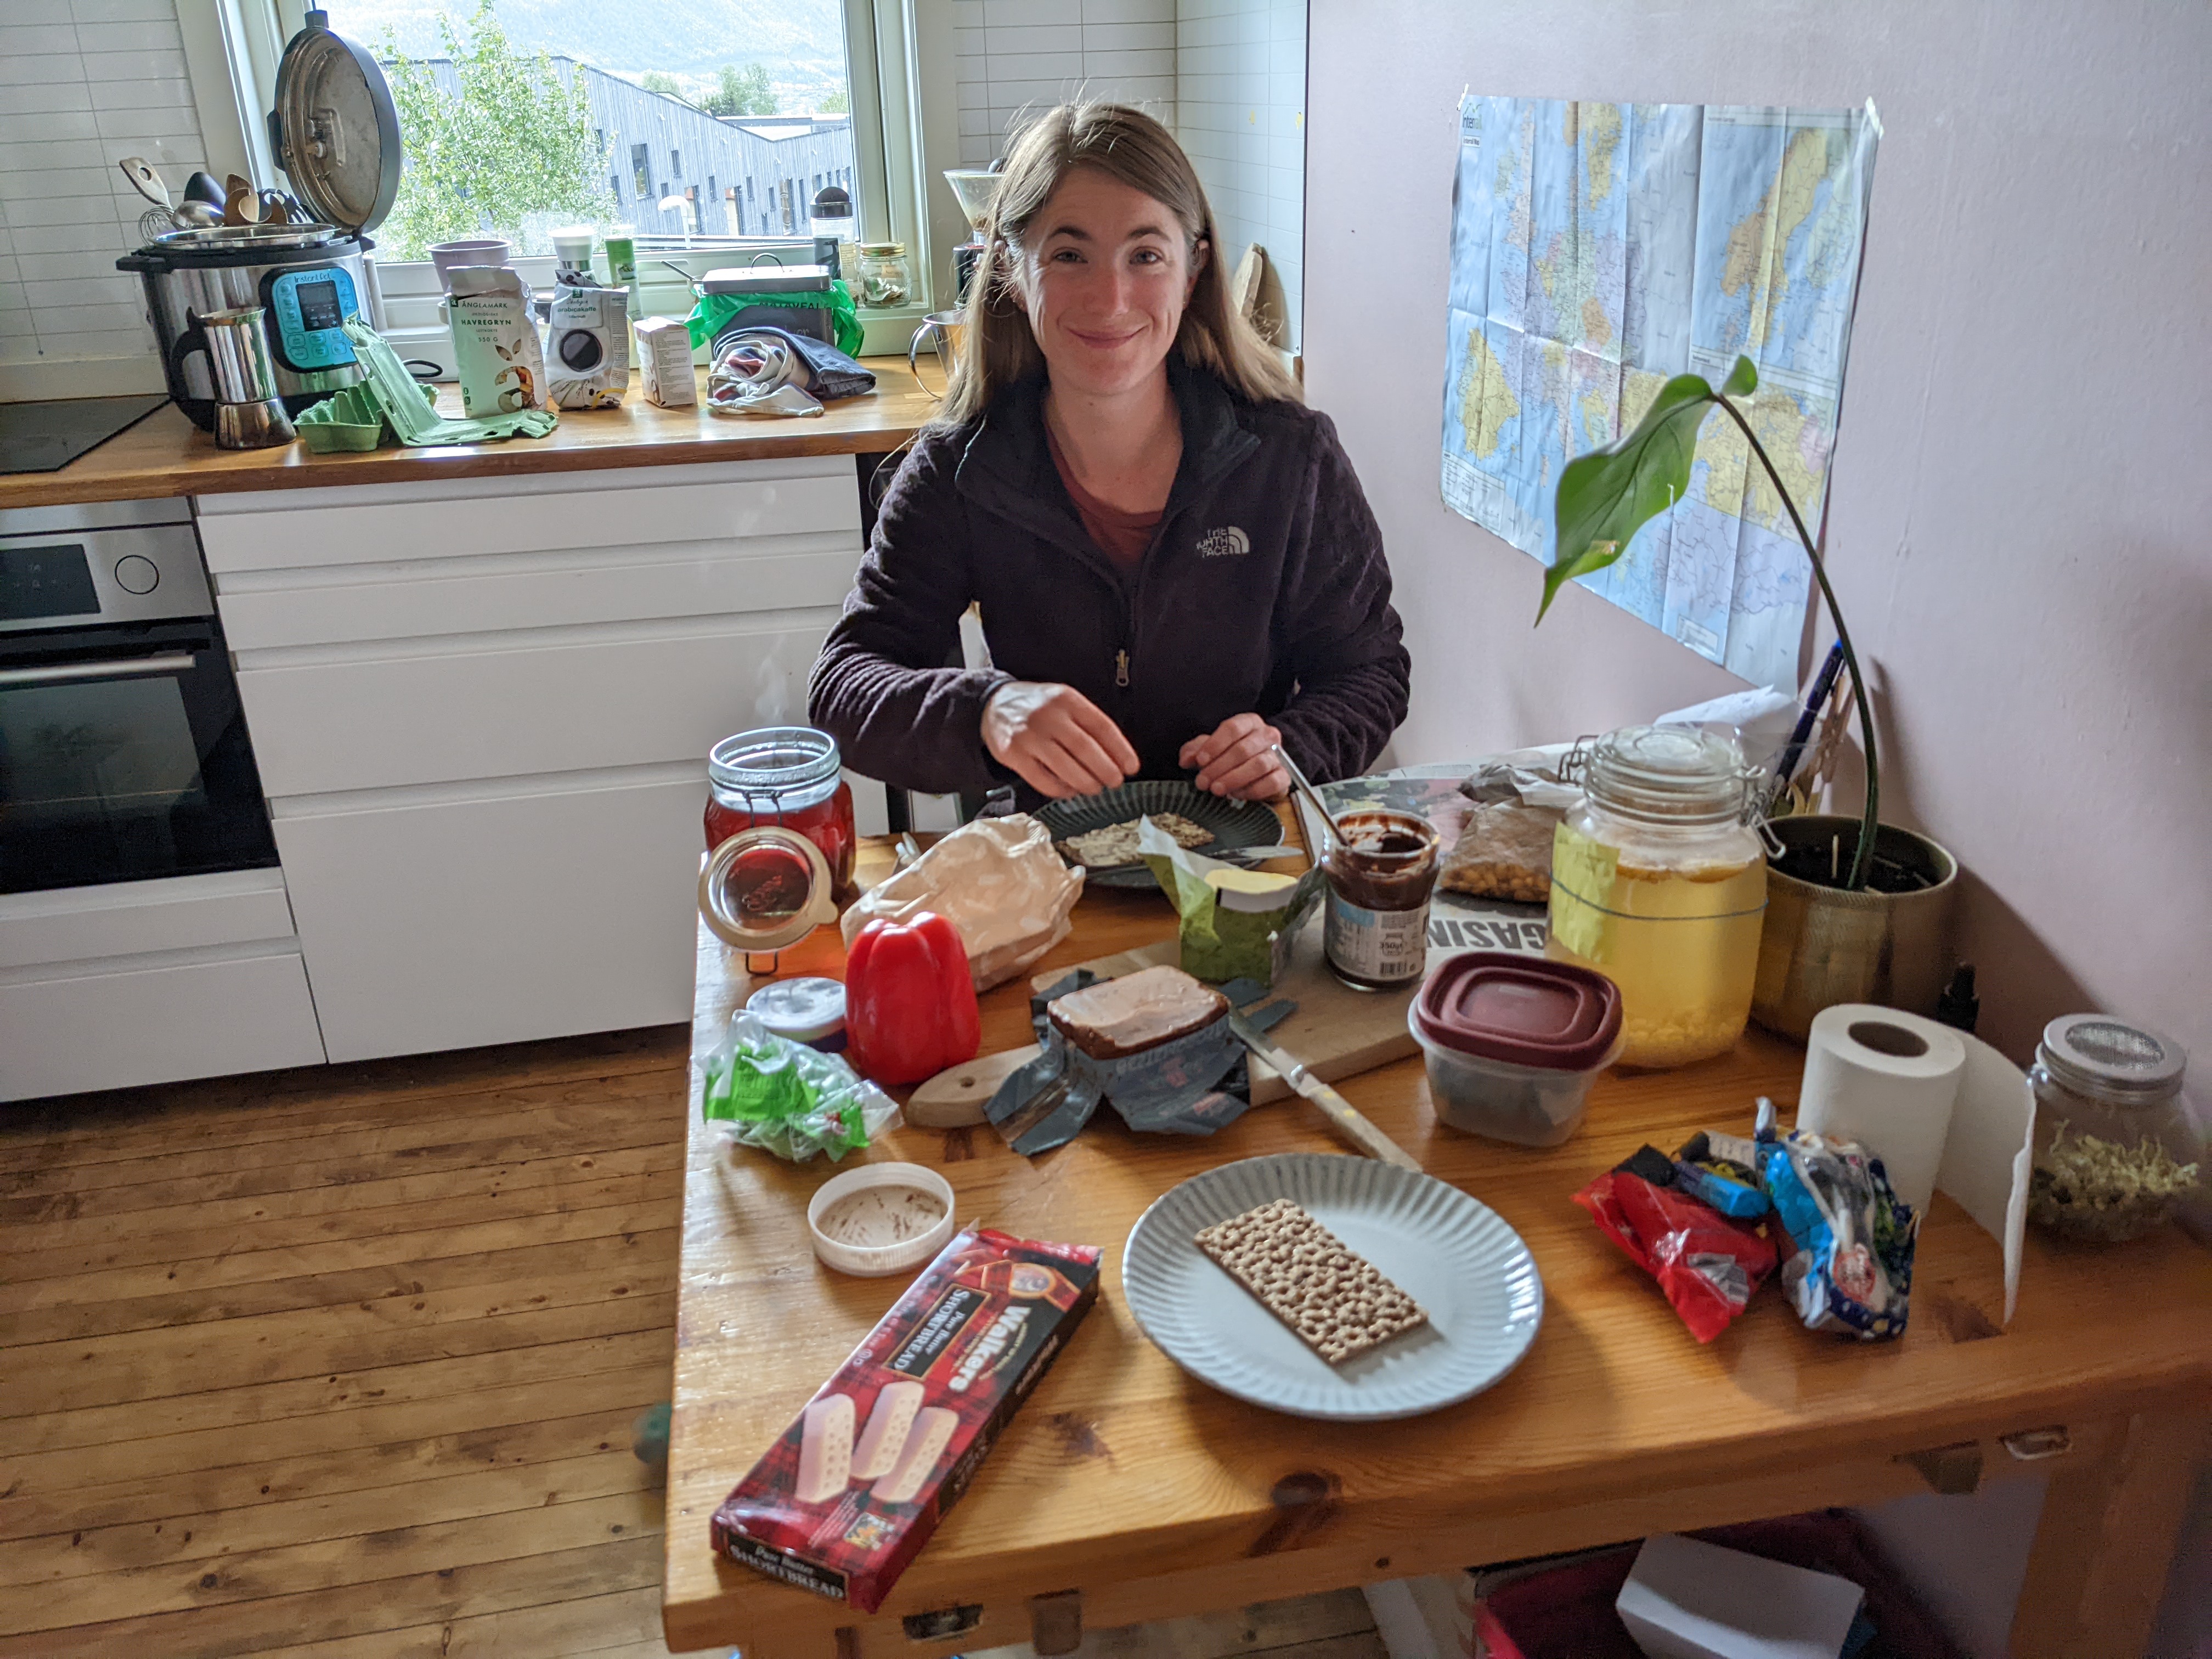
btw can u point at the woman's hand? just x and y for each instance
(1234, 759)
(1056, 739)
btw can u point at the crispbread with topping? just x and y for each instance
(1335, 1299)
(1115, 845)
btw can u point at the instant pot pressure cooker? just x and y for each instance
(337, 136)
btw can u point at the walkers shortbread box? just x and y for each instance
(853, 1489)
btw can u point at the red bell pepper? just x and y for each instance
(909, 1002)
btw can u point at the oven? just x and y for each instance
(122, 749)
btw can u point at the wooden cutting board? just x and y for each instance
(1337, 1032)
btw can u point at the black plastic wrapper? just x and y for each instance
(1190, 1086)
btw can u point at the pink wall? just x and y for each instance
(2022, 525)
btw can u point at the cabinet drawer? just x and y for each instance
(155, 1024)
(562, 699)
(466, 518)
(495, 917)
(418, 598)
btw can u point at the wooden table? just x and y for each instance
(165, 455)
(1153, 1496)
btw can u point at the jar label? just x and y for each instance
(1390, 947)
(1583, 871)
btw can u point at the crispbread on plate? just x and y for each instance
(1336, 1300)
(1115, 845)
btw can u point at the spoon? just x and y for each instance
(1313, 797)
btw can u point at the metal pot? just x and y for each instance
(1822, 945)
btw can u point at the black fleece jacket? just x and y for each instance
(1265, 591)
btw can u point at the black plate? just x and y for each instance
(1235, 823)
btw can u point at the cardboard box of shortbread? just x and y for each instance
(853, 1489)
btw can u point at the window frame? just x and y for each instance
(231, 49)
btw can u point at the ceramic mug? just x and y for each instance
(947, 328)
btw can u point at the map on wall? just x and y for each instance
(1598, 249)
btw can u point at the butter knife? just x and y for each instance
(1350, 1121)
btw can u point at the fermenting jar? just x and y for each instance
(886, 278)
(2115, 1148)
(786, 775)
(1659, 883)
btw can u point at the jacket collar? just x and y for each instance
(1006, 469)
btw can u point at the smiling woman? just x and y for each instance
(1175, 568)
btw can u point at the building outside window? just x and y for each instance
(578, 84)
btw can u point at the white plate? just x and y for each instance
(1466, 1269)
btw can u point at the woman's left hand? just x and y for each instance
(1235, 759)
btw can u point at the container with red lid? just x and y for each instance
(1513, 1044)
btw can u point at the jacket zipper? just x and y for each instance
(1121, 669)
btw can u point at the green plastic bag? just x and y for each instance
(713, 312)
(790, 1099)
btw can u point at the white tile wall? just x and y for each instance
(1015, 56)
(1240, 113)
(84, 83)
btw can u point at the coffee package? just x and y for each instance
(587, 344)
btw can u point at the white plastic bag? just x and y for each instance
(998, 880)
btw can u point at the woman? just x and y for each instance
(1174, 565)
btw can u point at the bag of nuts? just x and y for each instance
(1505, 850)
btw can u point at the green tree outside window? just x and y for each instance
(511, 154)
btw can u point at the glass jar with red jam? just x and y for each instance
(789, 775)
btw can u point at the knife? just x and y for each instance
(1348, 1118)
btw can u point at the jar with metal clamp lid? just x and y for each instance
(1659, 883)
(2116, 1150)
(789, 775)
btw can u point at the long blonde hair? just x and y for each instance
(998, 346)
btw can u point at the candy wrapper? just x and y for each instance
(1707, 1264)
(790, 1099)
(1852, 1269)
(1236, 923)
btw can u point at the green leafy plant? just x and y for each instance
(1605, 496)
(742, 92)
(509, 144)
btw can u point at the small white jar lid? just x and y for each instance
(804, 1010)
(881, 1248)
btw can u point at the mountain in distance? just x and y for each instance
(800, 42)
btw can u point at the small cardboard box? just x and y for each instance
(848, 1494)
(1687, 1600)
(664, 361)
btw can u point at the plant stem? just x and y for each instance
(1862, 858)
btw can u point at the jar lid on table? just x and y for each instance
(2112, 1060)
(1523, 1011)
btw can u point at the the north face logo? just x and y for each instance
(1227, 542)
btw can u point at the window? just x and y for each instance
(676, 162)
(641, 163)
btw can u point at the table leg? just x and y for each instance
(2105, 1542)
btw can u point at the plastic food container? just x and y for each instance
(1513, 1044)
(872, 1220)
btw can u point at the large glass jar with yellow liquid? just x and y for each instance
(1659, 883)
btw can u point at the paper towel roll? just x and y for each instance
(1888, 1080)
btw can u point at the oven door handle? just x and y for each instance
(108, 668)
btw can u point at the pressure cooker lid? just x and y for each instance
(334, 130)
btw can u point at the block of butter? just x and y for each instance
(848, 1494)
(664, 361)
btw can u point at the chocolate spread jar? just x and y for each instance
(1380, 876)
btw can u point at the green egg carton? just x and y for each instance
(349, 421)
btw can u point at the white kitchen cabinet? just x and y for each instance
(150, 982)
(481, 711)
(442, 919)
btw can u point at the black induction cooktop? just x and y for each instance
(46, 437)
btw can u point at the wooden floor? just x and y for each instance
(345, 1362)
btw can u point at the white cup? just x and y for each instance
(491, 251)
